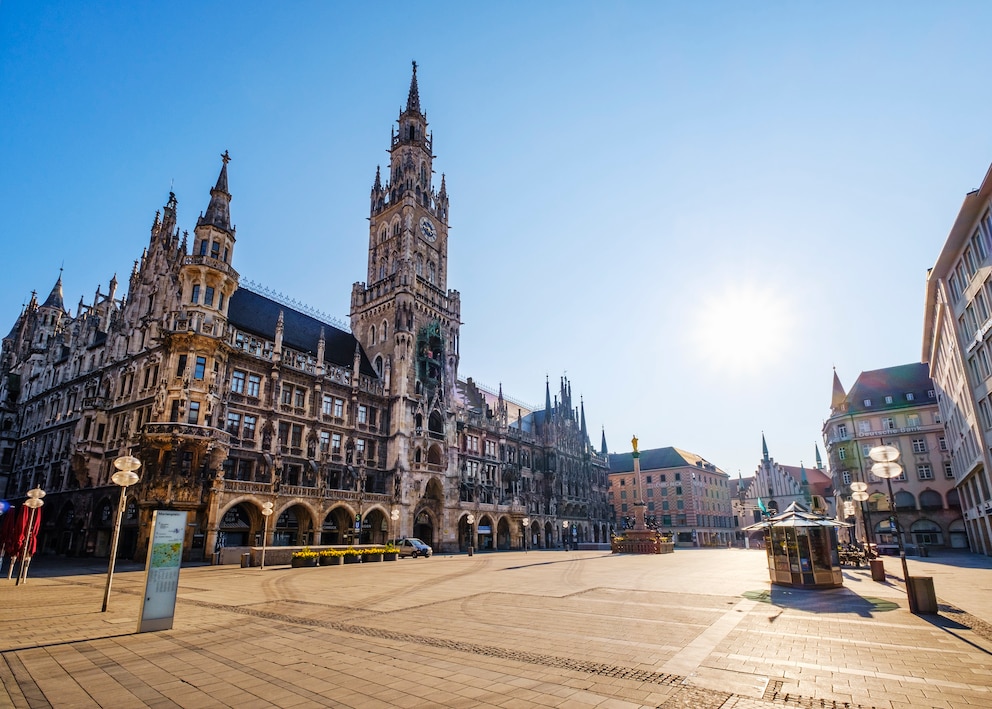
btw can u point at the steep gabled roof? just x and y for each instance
(257, 315)
(896, 382)
(660, 458)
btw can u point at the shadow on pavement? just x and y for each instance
(834, 600)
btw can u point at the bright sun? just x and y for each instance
(742, 329)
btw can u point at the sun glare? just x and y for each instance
(742, 329)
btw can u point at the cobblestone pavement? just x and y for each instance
(699, 628)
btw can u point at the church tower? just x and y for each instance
(404, 316)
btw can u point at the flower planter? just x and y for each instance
(301, 562)
(390, 556)
(352, 559)
(366, 558)
(331, 560)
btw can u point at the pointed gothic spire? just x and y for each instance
(839, 396)
(54, 299)
(444, 189)
(764, 448)
(603, 450)
(413, 98)
(219, 210)
(547, 399)
(377, 185)
(582, 421)
(819, 461)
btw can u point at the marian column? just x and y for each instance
(638, 499)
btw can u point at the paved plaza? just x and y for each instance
(698, 628)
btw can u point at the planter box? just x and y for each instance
(352, 559)
(390, 556)
(298, 563)
(331, 560)
(366, 558)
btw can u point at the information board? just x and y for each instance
(165, 554)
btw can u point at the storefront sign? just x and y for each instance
(165, 554)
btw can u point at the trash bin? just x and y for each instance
(924, 551)
(877, 569)
(922, 597)
(216, 559)
(471, 550)
(245, 560)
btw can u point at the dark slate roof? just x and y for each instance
(895, 382)
(659, 458)
(258, 315)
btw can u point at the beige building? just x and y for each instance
(895, 406)
(683, 493)
(956, 346)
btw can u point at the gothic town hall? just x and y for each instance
(232, 397)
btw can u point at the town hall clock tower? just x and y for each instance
(404, 316)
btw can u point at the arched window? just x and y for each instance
(383, 332)
(382, 269)
(378, 364)
(420, 265)
(430, 272)
(930, 500)
(372, 335)
(905, 500)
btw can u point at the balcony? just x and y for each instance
(186, 430)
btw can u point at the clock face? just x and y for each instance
(428, 230)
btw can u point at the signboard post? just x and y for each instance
(165, 554)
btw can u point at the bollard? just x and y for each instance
(245, 560)
(877, 569)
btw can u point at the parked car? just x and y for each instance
(411, 546)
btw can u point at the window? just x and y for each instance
(233, 423)
(360, 448)
(919, 445)
(203, 247)
(910, 397)
(864, 426)
(328, 403)
(215, 249)
(325, 441)
(846, 477)
(888, 424)
(649, 480)
(867, 402)
(195, 295)
(623, 494)
(942, 443)
(297, 438)
(300, 399)
(336, 444)
(842, 453)
(249, 430)
(931, 394)
(339, 408)
(201, 368)
(254, 383)
(913, 420)
(924, 472)
(193, 417)
(208, 295)
(650, 492)
(287, 395)
(948, 471)
(238, 382)
(678, 476)
(888, 400)
(842, 431)
(181, 367)
(363, 413)
(661, 477)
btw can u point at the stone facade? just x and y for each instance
(896, 406)
(232, 396)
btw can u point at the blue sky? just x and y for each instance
(694, 210)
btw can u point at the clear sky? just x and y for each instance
(693, 210)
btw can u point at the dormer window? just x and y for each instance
(888, 400)
(910, 397)
(867, 402)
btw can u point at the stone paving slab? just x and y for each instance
(698, 628)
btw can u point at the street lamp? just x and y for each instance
(393, 516)
(564, 533)
(266, 513)
(526, 523)
(885, 466)
(125, 477)
(470, 520)
(33, 503)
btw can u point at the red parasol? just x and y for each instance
(8, 535)
(21, 529)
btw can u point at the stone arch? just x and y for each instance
(931, 500)
(234, 526)
(293, 525)
(337, 524)
(434, 490)
(424, 524)
(484, 532)
(435, 424)
(958, 534)
(926, 532)
(435, 455)
(905, 500)
(549, 535)
(375, 525)
(503, 537)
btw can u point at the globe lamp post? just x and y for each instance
(885, 466)
(526, 523)
(125, 477)
(266, 513)
(33, 503)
